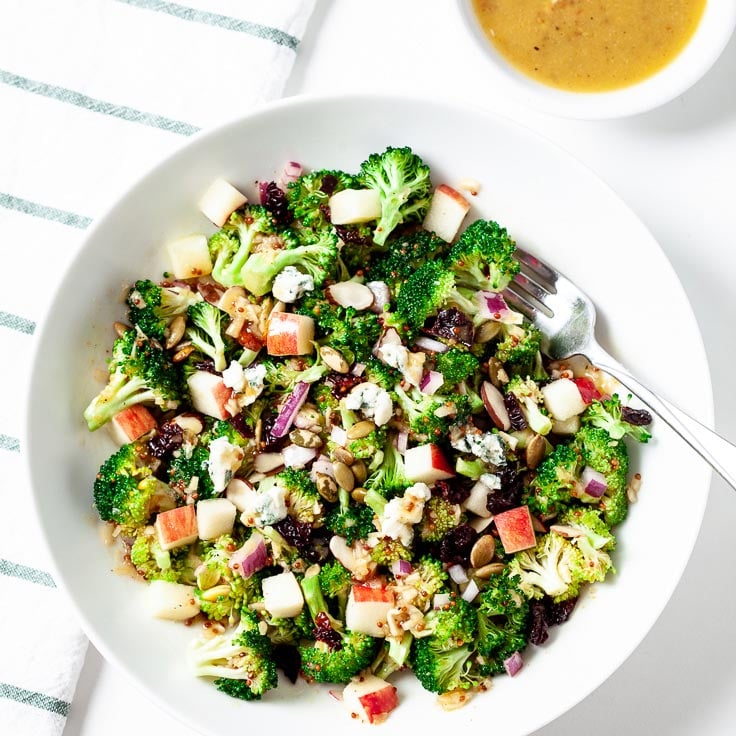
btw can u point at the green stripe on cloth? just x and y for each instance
(62, 94)
(37, 700)
(29, 574)
(215, 19)
(15, 322)
(11, 444)
(41, 210)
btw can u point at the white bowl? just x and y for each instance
(553, 206)
(698, 56)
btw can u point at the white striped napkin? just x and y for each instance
(92, 93)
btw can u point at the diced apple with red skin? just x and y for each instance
(351, 206)
(177, 527)
(562, 399)
(368, 608)
(209, 394)
(588, 390)
(370, 698)
(515, 529)
(426, 464)
(220, 200)
(446, 212)
(290, 334)
(132, 423)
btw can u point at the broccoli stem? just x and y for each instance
(375, 501)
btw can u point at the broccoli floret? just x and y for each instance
(336, 580)
(153, 563)
(309, 194)
(353, 333)
(483, 257)
(594, 540)
(530, 401)
(338, 653)
(608, 414)
(317, 258)
(424, 293)
(551, 489)
(438, 517)
(125, 490)
(282, 376)
(241, 660)
(381, 374)
(503, 618)
(231, 246)
(444, 660)
(456, 365)
(393, 656)
(520, 352)
(152, 308)
(402, 181)
(184, 467)
(350, 520)
(140, 373)
(368, 447)
(428, 416)
(553, 568)
(387, 551)
(205, 332)
(389, 477)
(405, 255)
(428, 577)
(303, 501)
(610, 457)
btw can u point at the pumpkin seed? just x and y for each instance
(483, 551)
(120, 328)
(360, 430)
(305, 438)
(343, 456)
(360, 471)
(358, 494)
(344, 476)
(486, 571)
(334, 359)
(326, 487)
(535, 451)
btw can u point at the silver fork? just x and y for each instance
(566, 318)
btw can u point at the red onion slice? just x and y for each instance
(441, 600)
(402, 441)
(251, 557)
(358, 369)
(431, 382)
(292, 171)
(594, 483)
(322, 465)
(289, 410)
(339, 436)
(493, 306)
(471, 591)
(428, 343)
(458, 574)
(513, 664)
(298, 457)
(401, 568)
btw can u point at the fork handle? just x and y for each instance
(719, 452)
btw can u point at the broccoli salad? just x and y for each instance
(343, 455)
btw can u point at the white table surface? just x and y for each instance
(676, 168)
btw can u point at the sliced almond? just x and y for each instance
(535, 451)
(484, 550)
(493, 402)
(350, 294)
(266, 462)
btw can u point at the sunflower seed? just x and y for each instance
(483, 551)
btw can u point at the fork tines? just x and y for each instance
(529, 289)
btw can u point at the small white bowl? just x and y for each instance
(698, 56)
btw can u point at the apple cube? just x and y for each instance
(290, 334)
(282, 595)
(446, 212)
(354, 205)
(215, 517)
(240, 493)
(171, 601)
(515, 529)
(368, 608)
(190, 257)
(569, 426)
(477, 501)
(426, 464)
(177, 527)
(562, 399)
(220, 201)
(588, 390)
(209, 394)
(369, 698)
(132, 423)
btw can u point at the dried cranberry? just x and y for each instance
(516, 416)
(324, 632)
(269, 443)
(538, 630)
(168, 438)
(558, 613)
(351, 235)
(452, 324)
(329, 184)
(509, 495)
(297, 533)
(456, 545)
(637, 417)
(238, 421)
(452, 491)
(274, 200)
(341, 384)
(207, 366)
(288, 660)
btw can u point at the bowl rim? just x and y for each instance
(697, 57)
(90, 629)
